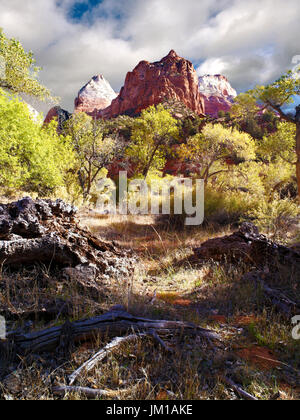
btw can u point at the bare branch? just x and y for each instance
(239, 390)
(102, 354)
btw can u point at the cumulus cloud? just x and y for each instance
(249, 42)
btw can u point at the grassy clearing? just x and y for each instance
(257, 350)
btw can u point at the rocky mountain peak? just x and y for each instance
(149, 84)
(172, 54)
(216, 85)
(95, 96)
(217, 92)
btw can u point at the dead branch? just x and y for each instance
(161, 342)
(239, 390)
(101, 355)
(277, 298)
(89, 393)
(111, 324)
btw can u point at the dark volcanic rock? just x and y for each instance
(27, 218)
(249, 246)
(44, 231)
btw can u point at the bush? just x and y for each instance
(220, 208)
(276, 217)
(226, 208)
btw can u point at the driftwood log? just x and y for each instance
(102, 354)
(109, 348)
(111, 324)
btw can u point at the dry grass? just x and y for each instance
(211, 296)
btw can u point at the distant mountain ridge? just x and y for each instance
(172, 78)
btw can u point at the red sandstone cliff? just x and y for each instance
(58, 114)
(152, 83)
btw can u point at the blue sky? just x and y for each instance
(250, 42)
(79, 8)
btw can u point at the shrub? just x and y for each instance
(277, 216)
(220, 208)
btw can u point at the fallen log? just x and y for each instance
(111, 324)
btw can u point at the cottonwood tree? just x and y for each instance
(19, 71)
(95, 151)
(32, 158)
(152, 134)
(210, 150)
(276, 96)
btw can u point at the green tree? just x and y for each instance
(32, 158)
(245, 106)
(95, 151)
(19, 71)
(211, 149)
(280, 144)
(152, 134)
(244, 114)
(276, 96)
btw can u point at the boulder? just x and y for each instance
(43, 231)
(247, 245)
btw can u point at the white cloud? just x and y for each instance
(250, 42)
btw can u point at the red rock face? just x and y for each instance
(52, 114)
(58, 114)
(151, 83)
(217, 93)
(215, 104)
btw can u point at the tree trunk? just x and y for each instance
(298, 157)
(146, 170)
